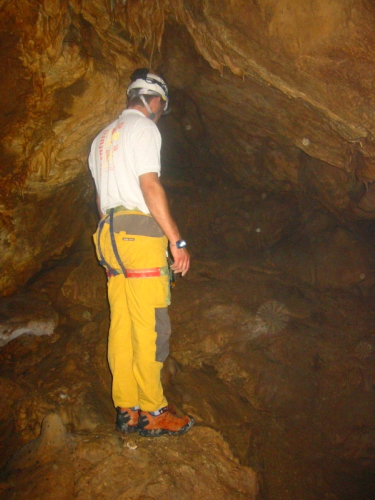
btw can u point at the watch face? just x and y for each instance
(181, 244)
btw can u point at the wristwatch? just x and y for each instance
(181, 243)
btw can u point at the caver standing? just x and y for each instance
(131, 242)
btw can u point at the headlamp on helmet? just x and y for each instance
(145, 83)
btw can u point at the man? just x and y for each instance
(131, 243)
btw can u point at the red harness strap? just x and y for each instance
(153, 272)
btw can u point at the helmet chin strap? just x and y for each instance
(151, 115)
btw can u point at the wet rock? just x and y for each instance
(367, 202)
(294, 397)
(208, 399)
(38, 230)
(86, 285)
(197, 464)
(96, 447)
(53, 437)
(81, 412)
(70, 395)
(25, 315)
(29, 413)
(335, 258)
(308, 71)
(169, 371)
(221, 326)
(227, 327)
(99, 466)
(10, 391)
(97, 335)
(42, 467)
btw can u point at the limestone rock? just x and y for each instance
(53, 437)
(44, 464)
(333, 258)
(86, 285)
(67, 465)
(285, 103)
(198, 464)
(64, 95)
(25, 315)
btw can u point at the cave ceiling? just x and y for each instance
(279, 91)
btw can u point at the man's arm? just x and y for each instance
(157, 203)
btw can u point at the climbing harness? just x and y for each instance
(110, 271)
(128, 273)
(113, 241)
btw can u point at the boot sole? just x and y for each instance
(127, 429)
(162, 432)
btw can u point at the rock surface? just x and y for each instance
(101, 465)
(25, 315)
(268, 160)
(282, 101)
(278, 375)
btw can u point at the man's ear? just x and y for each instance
(155, 100)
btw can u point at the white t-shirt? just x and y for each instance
(124, 150)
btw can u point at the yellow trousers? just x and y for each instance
(139, 332)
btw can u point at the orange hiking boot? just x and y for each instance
(127, 420)
(167, 422)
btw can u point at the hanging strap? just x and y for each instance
(102, 261)
(113, 241)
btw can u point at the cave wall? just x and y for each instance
(317, 56)
(67, 65)
(279, 92)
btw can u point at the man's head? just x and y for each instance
(149, 91)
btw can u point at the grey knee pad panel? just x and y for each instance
(163, 330)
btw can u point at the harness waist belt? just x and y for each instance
(117, 209)
(152, 272)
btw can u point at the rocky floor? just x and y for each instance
(279, 377)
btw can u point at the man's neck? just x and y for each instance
(142, 109)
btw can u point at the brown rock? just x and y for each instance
(86, 285)
(44, 464)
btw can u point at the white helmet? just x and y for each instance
(145, 83)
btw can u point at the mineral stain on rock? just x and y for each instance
(23, 315)
(272, 317)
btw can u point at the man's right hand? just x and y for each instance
(181, 259)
